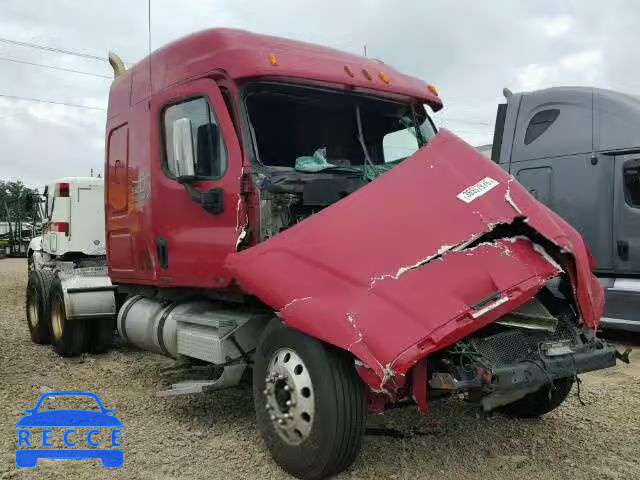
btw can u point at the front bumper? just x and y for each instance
(510, 383)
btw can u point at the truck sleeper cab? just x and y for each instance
(576, 150)
(289, 209)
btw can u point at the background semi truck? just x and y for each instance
(70, 299)
(576, 149)
(284, 210)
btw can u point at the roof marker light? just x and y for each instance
(349, 71)
(384, 77)
(366, 74)
(432, 89)
(273, 60)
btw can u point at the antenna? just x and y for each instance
(149, 37)
(365, 49)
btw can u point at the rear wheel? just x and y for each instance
(548, 398)
(100, 337)
(38, 287)
(67, 336)
(309, 401)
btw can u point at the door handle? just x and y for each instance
(163, 252)
(623, 249)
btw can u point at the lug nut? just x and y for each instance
(268, 407)
(273, 418)
(280, 421)
(287, 388)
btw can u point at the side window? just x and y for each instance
(631, 177)
(193, 141)
(539, 123)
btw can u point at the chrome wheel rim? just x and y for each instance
(57, 317)
(289, 396)
(32, 316)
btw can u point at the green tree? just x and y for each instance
(13, 208)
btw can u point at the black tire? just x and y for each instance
(37, 305)
(100, 335)
(540, 402)
(338, 422)
(67, 336)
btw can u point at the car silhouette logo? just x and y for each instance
(28, 453)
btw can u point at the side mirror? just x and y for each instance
(183, 157)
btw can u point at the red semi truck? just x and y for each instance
(289, 210)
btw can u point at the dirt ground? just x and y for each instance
(215, 437)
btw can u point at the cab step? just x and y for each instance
(230, 377)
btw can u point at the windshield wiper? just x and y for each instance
(418, 131)
(363, 144)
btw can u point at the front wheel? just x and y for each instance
(542, 401)
(309, 401)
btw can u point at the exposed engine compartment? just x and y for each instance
(288, 197)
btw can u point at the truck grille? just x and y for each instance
(517, 344)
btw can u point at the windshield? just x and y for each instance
(312, 130)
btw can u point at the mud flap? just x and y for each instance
(88, 293)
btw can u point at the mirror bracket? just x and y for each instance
(211, 200)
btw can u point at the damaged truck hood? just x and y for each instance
(393, 271)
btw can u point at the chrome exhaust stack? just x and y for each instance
(117, 64)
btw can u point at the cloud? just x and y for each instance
(557, 26)
(581, 68)
(469, 49)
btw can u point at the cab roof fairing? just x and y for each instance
(241, 54)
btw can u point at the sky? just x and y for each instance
(469, 49)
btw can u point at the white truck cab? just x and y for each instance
(74, 212)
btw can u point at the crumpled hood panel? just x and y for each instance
(384, 273)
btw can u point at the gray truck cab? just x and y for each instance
(577, 150)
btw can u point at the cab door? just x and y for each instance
(196, 204)
(626, 213)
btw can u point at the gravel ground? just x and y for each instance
(214, 436)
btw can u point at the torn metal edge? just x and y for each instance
(509, 199)
(241, 237)
(352, 321)
(288, 305)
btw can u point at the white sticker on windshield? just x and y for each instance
(477, 190)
